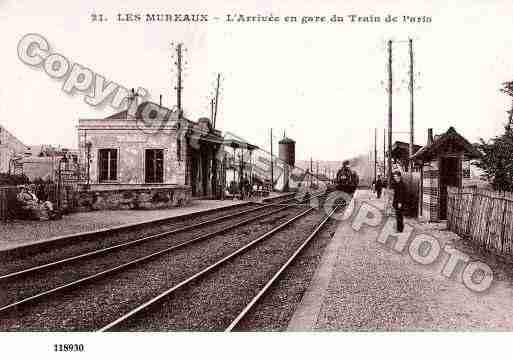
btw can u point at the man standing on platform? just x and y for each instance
(378, 186)
(399, 199)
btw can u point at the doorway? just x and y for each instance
(450, 169)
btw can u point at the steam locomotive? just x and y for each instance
(347, 179)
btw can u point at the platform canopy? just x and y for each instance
(206, 137)
(240, 144)
(449, 142)
(401, 150)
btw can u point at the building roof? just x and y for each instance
(173, 114)
(118, 116)
(138, 113)
(202, 129)
(8, 138)
(450, 141)
(401, 149)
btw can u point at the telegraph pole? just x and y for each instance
(212, 110)
(272, 162)
(217, 100)
(179, 79)
(317, 173)
(375, 154)
(311, 171)
(389, 112)
(411, 105)
(384, 152)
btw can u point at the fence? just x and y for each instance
(7, 202)
(68, 199)
(482, 216)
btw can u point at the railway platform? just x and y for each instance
(23, 233)
(362, 284)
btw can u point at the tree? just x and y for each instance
(497, 160)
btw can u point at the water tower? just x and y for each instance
(287, 154)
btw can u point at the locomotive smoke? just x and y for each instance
(363, 168)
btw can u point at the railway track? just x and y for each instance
(15, 281)
(126, 244)
(274, 279)
(77, 246)
(280, 199)
(89, 240)
(138, 318)
(296, 197)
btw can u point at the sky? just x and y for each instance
(322, 83)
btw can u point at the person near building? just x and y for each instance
(378, 186)
(245, 187)
(249, 188)
(399, 199)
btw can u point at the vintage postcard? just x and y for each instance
(264, 169)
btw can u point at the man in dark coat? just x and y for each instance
(399, 199)
(378, 186)
(247, 187)
(244, 187)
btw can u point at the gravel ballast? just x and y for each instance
(211, 302)
(274, 311)
(16, 288)
(97, 304)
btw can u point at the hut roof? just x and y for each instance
(449, 141)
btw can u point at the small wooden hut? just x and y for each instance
(441, 166)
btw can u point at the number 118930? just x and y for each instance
(68, 347)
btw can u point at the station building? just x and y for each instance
(148, 161)
(47, 163)
(10, 148)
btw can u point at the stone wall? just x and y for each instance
(133, 198)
